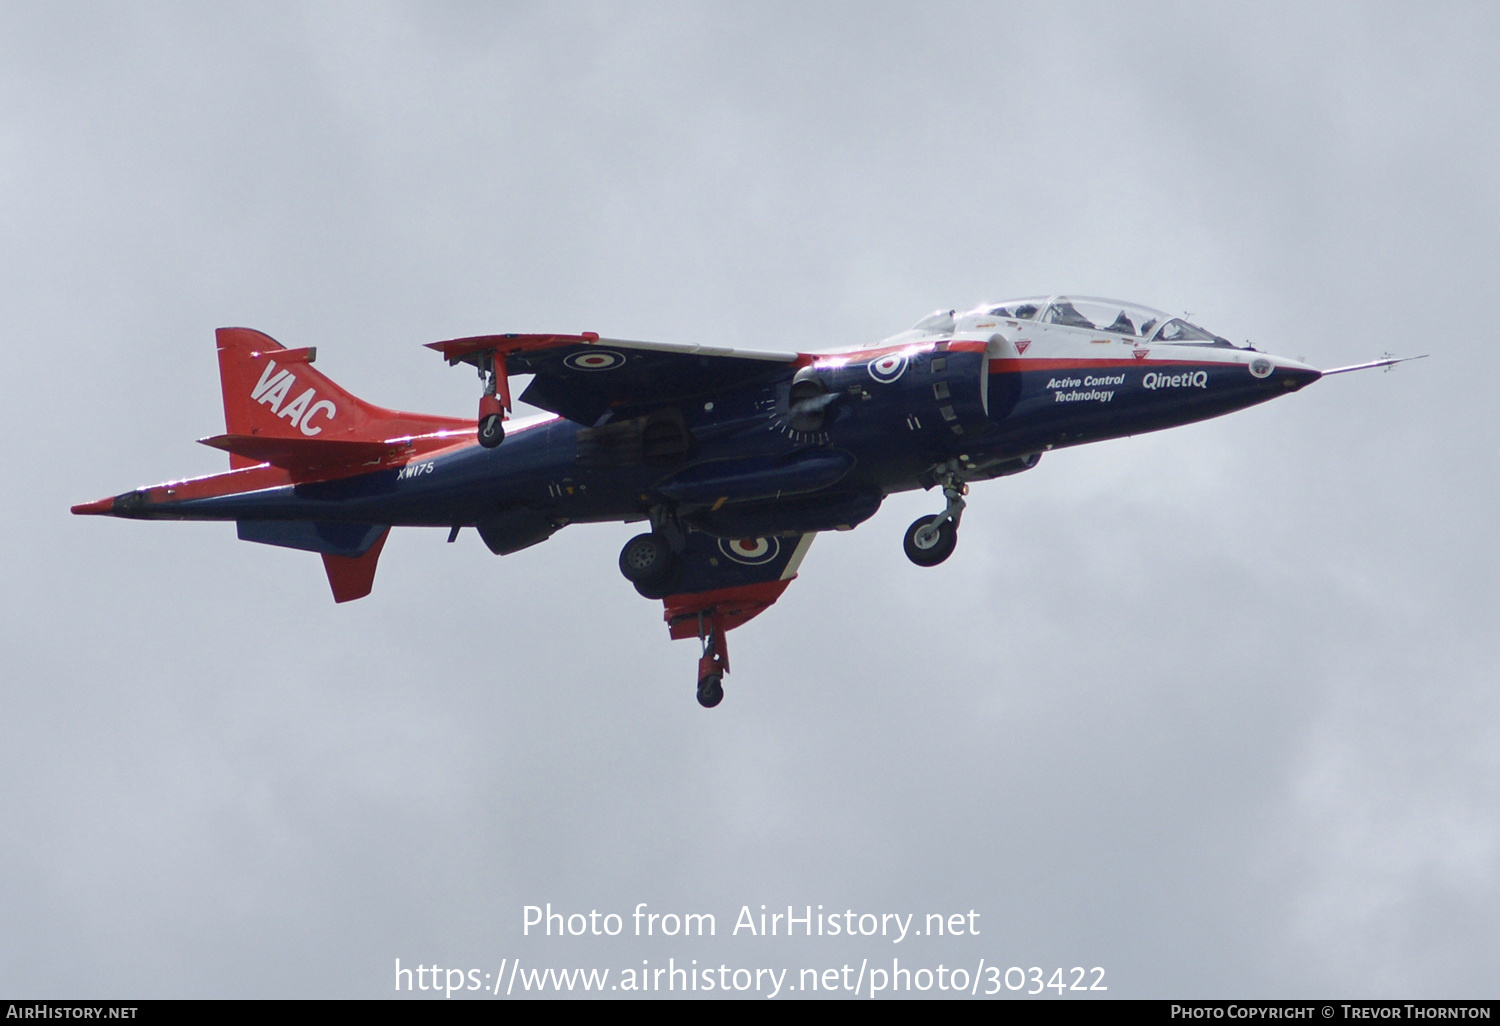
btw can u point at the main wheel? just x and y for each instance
(930, 540)
(646, 559)
(711, 690)
(491, 430)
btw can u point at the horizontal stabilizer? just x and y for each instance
(302, 453)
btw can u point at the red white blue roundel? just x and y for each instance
(594, 359)
(888, 368)
(750, 551)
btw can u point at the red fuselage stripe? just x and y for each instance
(1011, 365)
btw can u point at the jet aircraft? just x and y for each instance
(734, 459)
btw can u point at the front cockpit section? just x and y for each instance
(1086, 313)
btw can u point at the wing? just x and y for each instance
(721, 583)
(584, 376)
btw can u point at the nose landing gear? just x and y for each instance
(930, 540)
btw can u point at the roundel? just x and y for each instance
(888, 368)
(594, 359)
(750, 551)
(1260, 367)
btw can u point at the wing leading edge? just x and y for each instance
(582, 377)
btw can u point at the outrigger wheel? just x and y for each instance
(713, 663)
(930, 540)
(711, 690)
(495, 401)
(491, 430)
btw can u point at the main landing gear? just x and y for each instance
(647, 560)
(930, 540)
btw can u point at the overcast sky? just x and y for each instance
(1213, 709)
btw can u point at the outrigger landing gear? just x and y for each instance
(495, 404)
(930, 540)
(714, 662)
(491, 430)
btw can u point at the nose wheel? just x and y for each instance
(930, 540)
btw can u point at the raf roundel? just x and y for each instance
(595, 360)
(750, 551)
(888, 368)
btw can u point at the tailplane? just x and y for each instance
(278, 409)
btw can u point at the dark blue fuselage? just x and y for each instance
(747, 463)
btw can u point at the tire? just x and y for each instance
(935, 549)
(491, 430)
(711, 690)
(646, 560)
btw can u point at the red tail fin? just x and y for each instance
(271, 392)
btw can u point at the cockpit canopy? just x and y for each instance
(1090, 313)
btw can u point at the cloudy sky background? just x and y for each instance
(1213, 709)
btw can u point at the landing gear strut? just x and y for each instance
(714, 662)
(495, 404)
(930, 540)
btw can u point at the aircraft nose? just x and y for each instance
(1284, 373)
(1296, 375)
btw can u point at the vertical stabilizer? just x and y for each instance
(272, 392)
